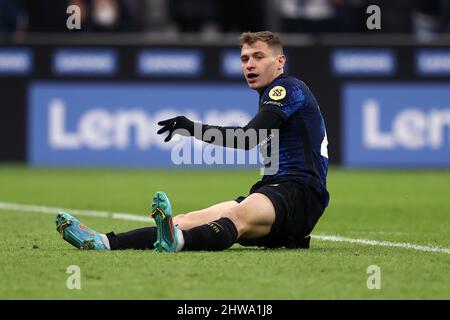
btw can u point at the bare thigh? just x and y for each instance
(197, 218)
(253, 217)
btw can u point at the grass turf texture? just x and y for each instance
(398, 206)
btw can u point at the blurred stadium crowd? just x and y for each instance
(223, 16)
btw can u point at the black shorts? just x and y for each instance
(297, 210)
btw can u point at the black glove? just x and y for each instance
(180, 122)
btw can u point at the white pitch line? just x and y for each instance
(134, 217)
(77, 212)
(404, 245)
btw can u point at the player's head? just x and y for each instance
(262, 58)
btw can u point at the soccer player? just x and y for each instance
(281, 210)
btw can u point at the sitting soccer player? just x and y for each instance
(281, 210)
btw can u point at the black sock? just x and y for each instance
(139, 239)
(214, 236)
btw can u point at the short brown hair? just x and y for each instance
(272, 39)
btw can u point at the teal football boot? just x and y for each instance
(166, 231)
(77, 234)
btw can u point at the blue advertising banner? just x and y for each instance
(97, 124)
(85, 62)
(433, 62)
(169, 63)
(15, 61)
(231, 63)
(363, 62)
(396, 124)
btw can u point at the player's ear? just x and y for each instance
(281, 61)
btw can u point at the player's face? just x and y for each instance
(260, 64)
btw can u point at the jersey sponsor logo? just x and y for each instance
(277, 93)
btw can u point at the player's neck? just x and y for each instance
(261, 90)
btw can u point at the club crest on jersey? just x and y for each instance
(277, 93)
(84, 228)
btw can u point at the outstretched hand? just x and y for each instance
(172, 124)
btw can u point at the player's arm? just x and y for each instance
(246, 137)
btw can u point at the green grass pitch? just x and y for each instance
(396, 206)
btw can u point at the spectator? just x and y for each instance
(194, 15)
(318, 16)
(11, 14)
(431, 17)
(46, 15)
(251, 16)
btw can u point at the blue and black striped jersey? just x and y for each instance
(302, 139)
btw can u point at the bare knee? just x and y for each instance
(238, 216)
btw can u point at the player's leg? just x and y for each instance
(79, 235)
(82, 237)
(252, 217)
(196, 218)
(138, 239)
(144, 238)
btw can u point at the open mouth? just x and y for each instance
(251, 77)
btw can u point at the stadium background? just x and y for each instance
(91, 98)
(344, 70)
